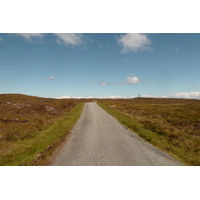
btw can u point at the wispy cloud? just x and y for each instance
(65, 39)
(1, 39)
(30, 37)
(103, 83)
(69, 38)
(125, 59)
(51, 77)
(129, 80)
(133, 42)
(85, 48)
(176, 48)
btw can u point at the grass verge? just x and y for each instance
(34, 151)
(177, 149)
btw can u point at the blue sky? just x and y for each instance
(100, 65)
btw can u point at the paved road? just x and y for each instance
(100, 140)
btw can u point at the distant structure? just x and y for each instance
(138, 95)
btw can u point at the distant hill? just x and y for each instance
(20, 97)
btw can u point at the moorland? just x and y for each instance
(31, 128)
(173, 125)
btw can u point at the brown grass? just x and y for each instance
(176, 121)
(24, 117)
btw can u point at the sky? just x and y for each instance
(98, 65)
(101, 65)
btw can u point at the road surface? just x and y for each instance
(100, 140)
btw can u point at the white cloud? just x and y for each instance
(133, 42)
(190, 95)
(132, 80)
(117, 97)
(182, 95)
(186, 95)
(51, 77)
(153, 96)
(63, 97)
(95, 97)
(69, 38)
(129, 80)
(1, 39)
(71, 97)
(30, 36)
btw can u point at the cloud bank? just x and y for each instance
(77, 97)
(134, 42)
(184, 95)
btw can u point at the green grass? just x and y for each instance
(34, 150)
(170, 124)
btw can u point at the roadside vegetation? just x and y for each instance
(173, 125)
(32, 127)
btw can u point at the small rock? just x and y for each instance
(16, 120)
(112, 106)
(49, 108)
